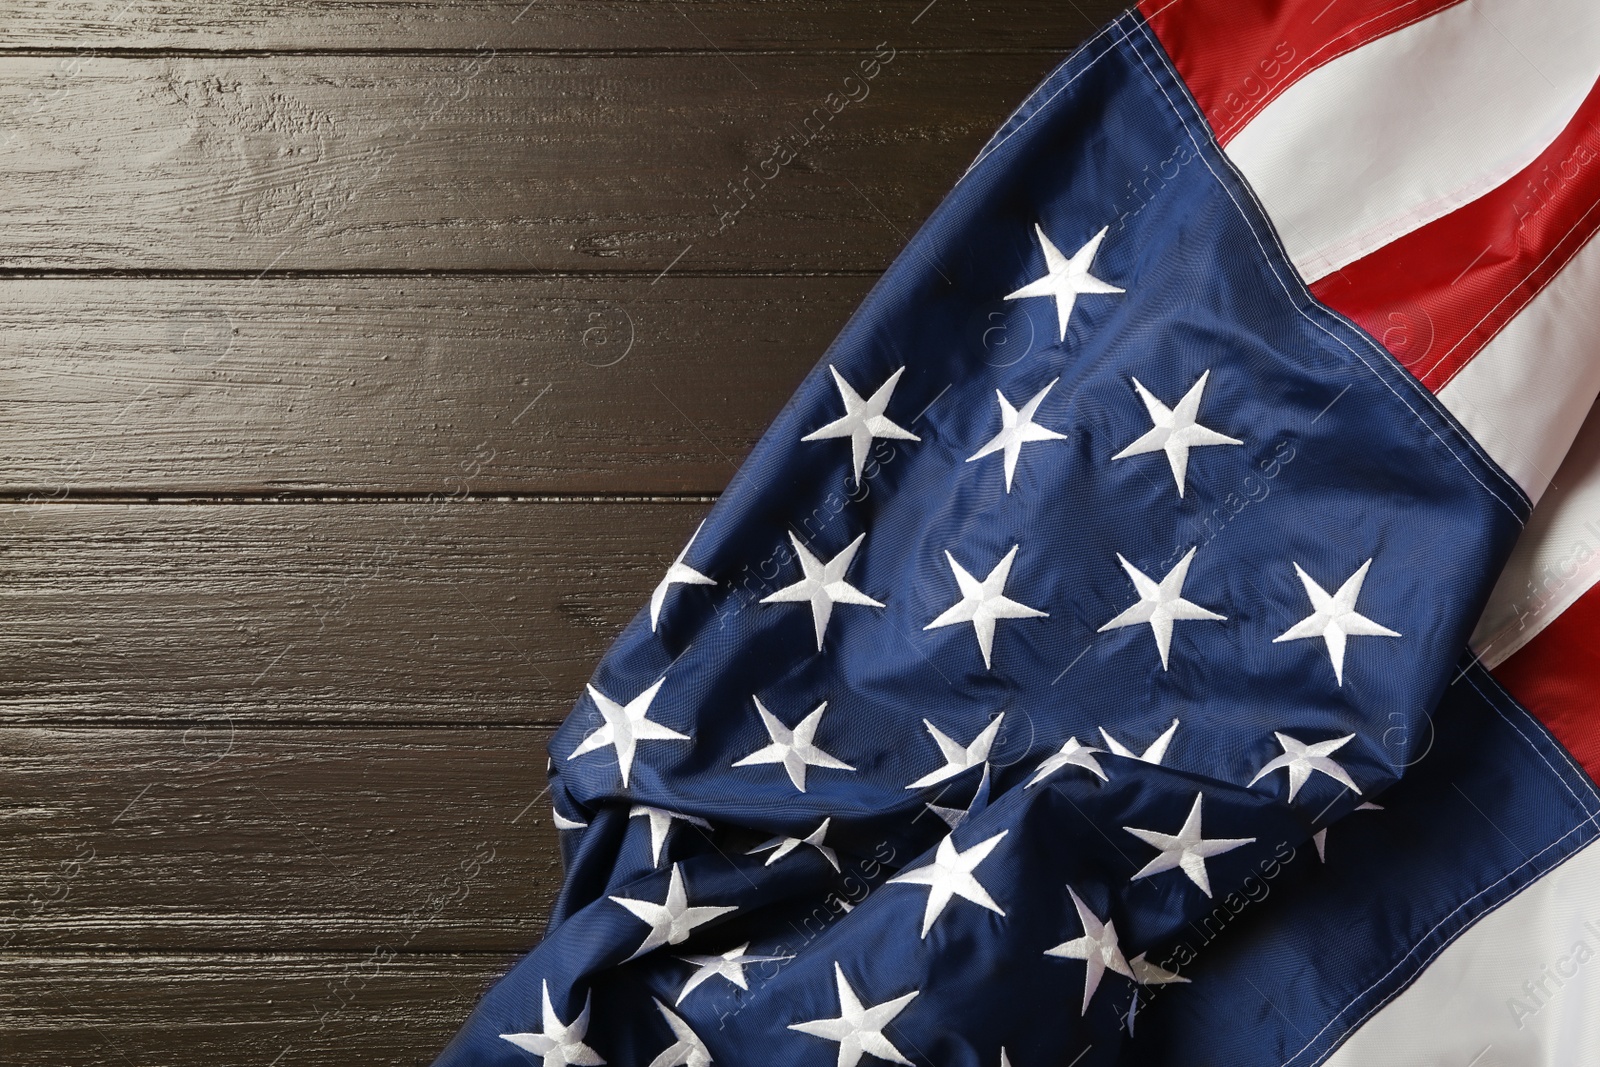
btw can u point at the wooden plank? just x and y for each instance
(444, 612)
(114, 1010)
(485, 162)
(409, 385)
(234, 839)
(582, 25)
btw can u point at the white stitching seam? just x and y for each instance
(1429, 958)
(1528, 862)
(1404, 375)
(1427, 397)
(1303, 71)
(1582, 777)
(1535, 291)
(1593, 820)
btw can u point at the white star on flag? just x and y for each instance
(1147, 973)
(660, 823)
(729, 965)
(672, 921)
(1334, 618)
(984, 602)
(564, 823)
(822, 585)
(1160, 604)
(858, 1029)
(1302, 759)
(796, 749)
(679, 573)
(951, 875)
(624, 727)
(782, 846)
(1065, 279)
(1153, 754)
(688, 1050)
(1174, 430)
(558, 1044)
(1072, 754)
(1017, 428)
(1097, 947)
(957, 758)
(1186, 849)
(863, 420)
(954, 817)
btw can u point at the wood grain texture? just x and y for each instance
(488, 162)
(404, 385)
(270, 772)
(581, 25)
(275, 1010)
(395, 612)
(228, 838)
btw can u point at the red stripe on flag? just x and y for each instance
(1237, 56)
(1557, 677)
(1437, 295)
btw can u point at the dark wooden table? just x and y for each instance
(364, 365)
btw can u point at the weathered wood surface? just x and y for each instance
(389, 612)
(270, 773)
(271, 1010)
(400, 385)
(488, 162)
(574, 25)
(228, 838)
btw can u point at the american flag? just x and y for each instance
(1111, 654)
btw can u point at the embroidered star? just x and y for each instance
(984, 602)
(858, 1029)
(782, 846)
(624, 727)
(1186, 849)
(672, 921)
(1160, 604)
(729, 965)
(951, 875)
(1174, 430)
(1302, 759)
(1334, 618)
(795, 749)
(863, 420)
(1066, 279)
(1017, 428)
(679, 573)
(1154, 754)
(822, 585)
(1147, 973)
(1072, 754)
(660, 823)
(954, 817)
(1320, 838)
(558, 1044)
(687, 1051)
(1097, 947)
(564, 823)
(957, 758)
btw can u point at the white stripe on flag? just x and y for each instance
(1411, 126)
(1556, 560)
(1526, 393)
(1519, 989)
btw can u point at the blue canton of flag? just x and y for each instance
(987, 707)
